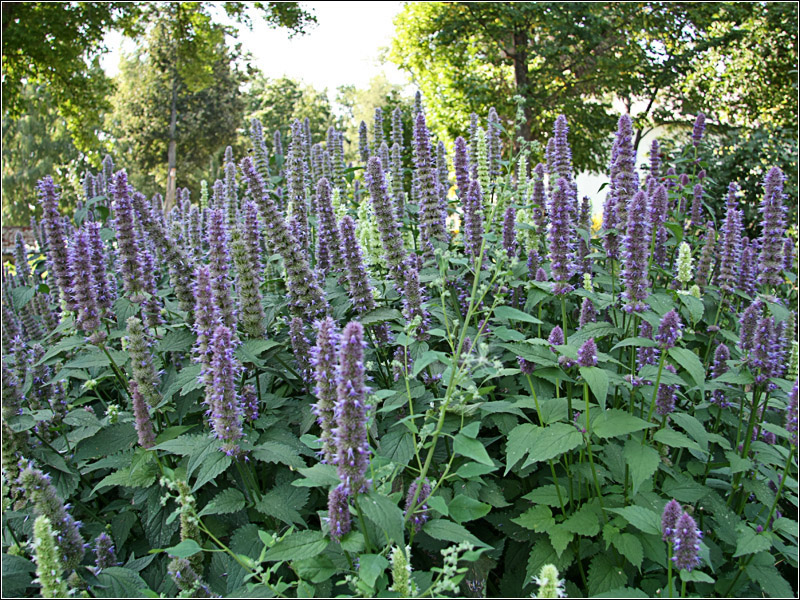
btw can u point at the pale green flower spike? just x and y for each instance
(793, 361)
(368, 235)
(48, 563)
(685, 263)
(483, 163)
(401, 573)
(695, 291)
(203, 194)
(587, 282)
(550, 586)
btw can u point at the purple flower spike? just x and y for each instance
(698, 129)
(220, 259)
(666, 397)
(324, 360)
(556, 337)
(339, 512)
(105, 556)
(686, 543)
(473, 219)
(53, 226)
(560, 237)
(657, 214)
(669, 330)
(420, 515)
(635, 252)
(587, 354)
(669, 519)
(461, 164)
(357, 278)
(624, 181)
(791, 415)
(588, 313)
(541, 275)
(773, 225)
(301, 348)
(386, 218)
(130, 259)
(144, 426)
(509, 234)
(731, 239)
(363, 143)
(748, 324)
(526, 366)
(431, 216)
(329, 255)
(226, 406)
(352, 448)
(84, 288)
(697, 205)
(720, 366)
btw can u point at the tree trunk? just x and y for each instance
(521, 79)
(172, 149)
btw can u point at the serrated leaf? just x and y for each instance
(319, 475)
(518, 444)
(107, 441)
(762, 570)
(643, 519)
(183, 445)
(370, 566)
(316, 570)
(297, 546)
(537, 518)
(427, 358)
(693, 427)
(226, 502)
(442, 529)
(212, 466)
(691, 362)
(185, 549)
(598, 382)
(505, 313)
(696, 575)
(274, 452)
(642, 461)
(639, 342)
(119, 582)
(617, 423)
(623, 592)
(585, 522)
(397, 445)
(384, 513)
(604, 575)
(674, 439)
(187, 377)
(736, 378)
(560, 537)
(693, 305)
(750, 542)
(250, 351)
(463, 508)
(552, 441)
(546, 494)
(379, 315)
(438, 504)
(179, 340)
(630, 547)
(684, 489)
(471, 448)
(283, 502)
(18, 575)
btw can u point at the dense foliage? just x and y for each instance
(322, 380)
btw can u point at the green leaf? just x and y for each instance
(17, 575)
(506, 313)
(426, 359)
(737, 463)
(107, 441)
(370, 566)
(604, 575)
(623, 592)
(214, 464)
(384, 513)
(690, 361)
(546, 494)
(560, 537)
(694, 305)
(598, 382)
(185, 549)
(379, 315)
(275, 452)
(226, 502)
(616, 423)
(183, 445)
(639, 342)
(642, 461)
(630, 547)
(250, 351)
(674, 439)
(518, 444)
(736, 378)
(684, 489)
(597, 330)
(284, 503)
(179, 340)
(438, 504)
(537, 518)
(397, 445)
(762, 569)
(298, 545)
(551, 441)
(472, 470)
(693, 427)
(188, 377)
(696, 575)
(119, 582)
(319, 475)
(750, 542)
(471, 448)
(642, 518)
(442, 529)
(316, 570)
(463, 508)
(585, 522)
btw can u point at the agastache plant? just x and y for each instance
(560, 237)
(634, 255)
(53, 226)
(324, 356)
(223, 398)
(432, 217)
(386, 220)
(770, 263)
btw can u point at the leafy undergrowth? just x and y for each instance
(384, 380)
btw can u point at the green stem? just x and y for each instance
(589, 449)
(780, 486)
(669, 569)
(655, 390)
(363, 523)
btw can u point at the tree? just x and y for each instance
(278, 102)
(158, 111)
(34, 145)
(571, 58)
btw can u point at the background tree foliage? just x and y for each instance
(656, 58)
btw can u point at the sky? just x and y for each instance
(343, 48)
